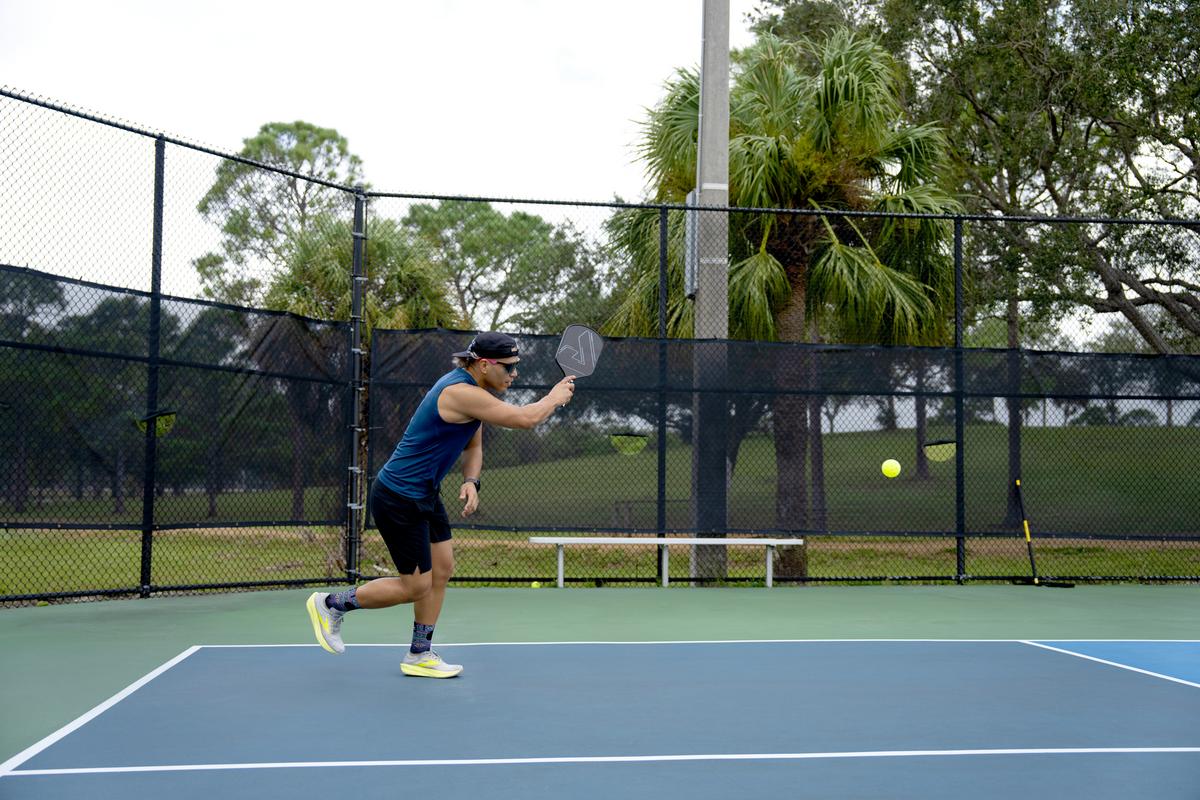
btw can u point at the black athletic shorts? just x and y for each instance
(409, 526)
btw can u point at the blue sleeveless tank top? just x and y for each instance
(430, 445)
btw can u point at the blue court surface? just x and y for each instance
(821, 719)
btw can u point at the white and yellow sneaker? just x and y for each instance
(326, 622)
(428, 665)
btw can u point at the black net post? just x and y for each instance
(960, 493)
(355, 499)
(154, 335)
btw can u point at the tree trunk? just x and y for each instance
(20, 484)
(212, 477)
(746, 416)
(820, 520)
(790, 412)
(298, 454)
(816, 439)
(298, 403)
(118, 484)
(922, 421)
(1012, 516)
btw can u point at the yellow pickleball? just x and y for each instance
(891, 468)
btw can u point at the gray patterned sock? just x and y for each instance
(343, 601)
(422, 638)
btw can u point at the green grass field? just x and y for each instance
(320, 502)
(1088, 480)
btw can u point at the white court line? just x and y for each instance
(459, 762)
(1112, 663)
(29, 752)
(624, 643)
(702, 641)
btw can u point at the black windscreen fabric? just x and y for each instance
(260, 404)
(804, 429)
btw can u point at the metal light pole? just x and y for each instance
(709, 470)
(712, 176)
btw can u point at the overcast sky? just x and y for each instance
(519, 98)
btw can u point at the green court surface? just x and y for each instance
(60, 661)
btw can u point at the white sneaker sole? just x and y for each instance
(318, 629)
(426, 672)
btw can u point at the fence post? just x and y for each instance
(154, 345)
(355, 500)
(661, 520)
(960, 494)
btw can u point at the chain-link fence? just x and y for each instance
(161, 431)
(158, 433)
(1105, 500)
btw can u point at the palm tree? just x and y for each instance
(813, 126)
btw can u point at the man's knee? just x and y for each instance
(443, 564)
(418, 584)
(442, 573)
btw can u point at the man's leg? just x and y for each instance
(387, 592)
(421, 659)
(326, 612)
(427, 609)
(405, 531)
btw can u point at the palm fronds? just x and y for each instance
(819, 124)
(758, 288)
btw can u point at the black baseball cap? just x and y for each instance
(490, 344)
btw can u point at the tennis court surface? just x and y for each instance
(257, 711)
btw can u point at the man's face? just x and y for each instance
(497, 374)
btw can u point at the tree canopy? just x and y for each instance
(510, 269)
(262, 213)
(818, 124)
(1062, 108)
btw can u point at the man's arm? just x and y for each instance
(463, 402)
(472, 461)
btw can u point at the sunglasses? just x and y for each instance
(508, 368)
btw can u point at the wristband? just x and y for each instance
(474, 481)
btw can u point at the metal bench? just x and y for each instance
(560, 543)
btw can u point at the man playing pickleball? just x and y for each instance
(406, 496)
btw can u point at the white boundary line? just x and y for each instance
(29, 752)
(621, 643)
(709, 641)
(458, 762)
(1111, 663)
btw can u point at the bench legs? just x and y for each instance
(666, 564)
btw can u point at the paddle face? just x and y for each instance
(941, 450)
(628, 444)
(164, 421)
(579, 350)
